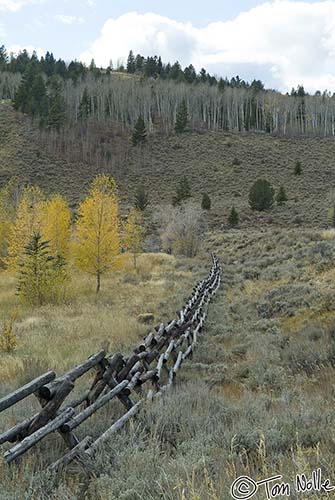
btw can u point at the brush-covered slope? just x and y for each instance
(222, 165)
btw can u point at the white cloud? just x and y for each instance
(69, 19)
(16, 5)
(284, 43)
(15, 49)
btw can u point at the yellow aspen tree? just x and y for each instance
(9, 199)
(28, 221)
(134, 233)
(97, 229)
(56, 225)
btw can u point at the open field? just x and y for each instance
(257, 398)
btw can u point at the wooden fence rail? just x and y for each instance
(155, 361)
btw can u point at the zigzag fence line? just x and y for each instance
(156, 361)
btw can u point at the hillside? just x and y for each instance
(220, 164)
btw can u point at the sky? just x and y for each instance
(284, 43)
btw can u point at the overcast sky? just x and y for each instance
(282, 42)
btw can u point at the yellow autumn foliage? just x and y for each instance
(9, 198)
(134, 233)
(97, 229)
(56, 225)
(28, 221)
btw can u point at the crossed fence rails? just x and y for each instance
(156, 361)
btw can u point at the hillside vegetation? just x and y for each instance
(220, 164)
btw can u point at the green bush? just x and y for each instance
(206, 202)
(261, 195)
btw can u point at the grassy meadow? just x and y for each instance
(257, 399)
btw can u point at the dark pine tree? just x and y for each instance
(141, 198)
(140, 132)
(261, 195)
(298, 168)
(206, 202)
(281, 197)
(35, 271)
(131, 63)
(85, 107)
(233, 218)
(182, 117)
(183, 191)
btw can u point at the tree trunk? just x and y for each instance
(98, 281)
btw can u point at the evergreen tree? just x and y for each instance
(261, 195)
(85, 107)
(281, 197)
(36, 270)
(233, 218)
(140, 132)
(182, 117)
(206, 202)
(298, 168)
(3, 58)
(139, 63)
(131, 63)
(183, 191)
(141, 198)
(175, 71)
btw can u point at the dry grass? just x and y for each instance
(59, 336)
(257, 399)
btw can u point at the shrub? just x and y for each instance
(140, 132)
(233, 218)
(261, 195)
(182, 231)
(183, 191)
(8, 339)
(281, 197)
(298, 168)
(141, 198)
(206, 202)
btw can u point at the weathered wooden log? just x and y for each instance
(85, 414)
(30, 441)
(114, 428)
(178, 362)
(160, 366)
(50, 409)
(48, 391)
(133, 381)
(152, 356)
(138, 367)
(71, 455)
(122, 374)
(150, 375)
(79, 400)
(13, 434)
(124, 395)
(188, 352)
(170, 326)
(26, 390)
(168, 351)
(19, 431)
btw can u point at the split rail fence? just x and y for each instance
(155, 361)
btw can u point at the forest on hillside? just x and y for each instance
(82, 109)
